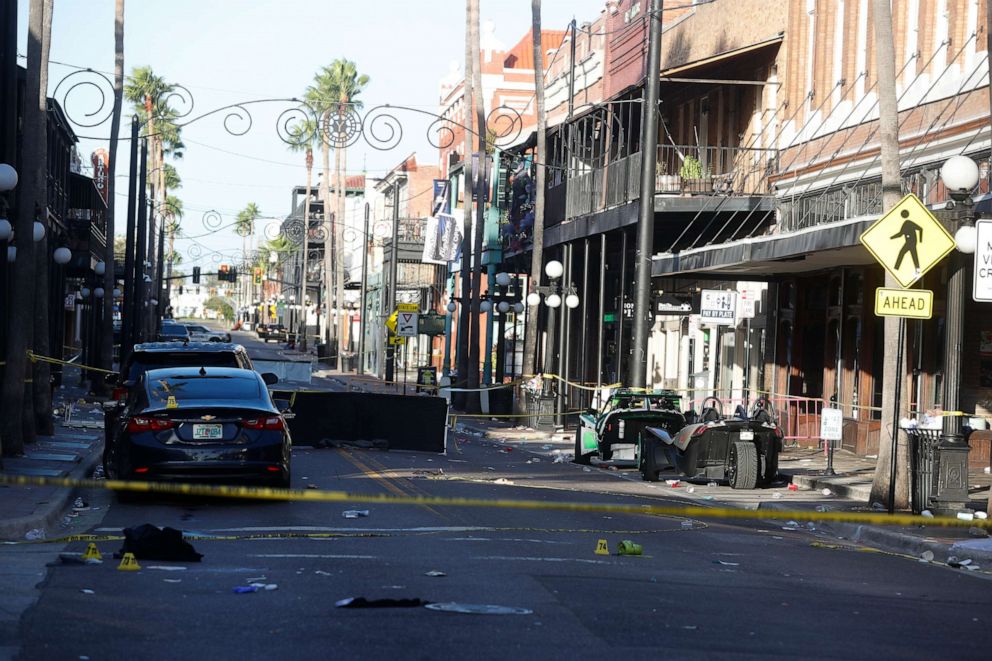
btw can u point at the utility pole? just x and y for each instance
(362, 295)
(394, 258)
(468, 98)
(637, 370)
(140, 243)
(127, 322)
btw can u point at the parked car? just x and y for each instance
(613, 432)
(215, 424)
(153, 355)
(173, 333)
(199, 333)
(742, 449)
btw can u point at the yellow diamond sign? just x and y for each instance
(908, 241)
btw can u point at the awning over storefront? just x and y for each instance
(810, 249)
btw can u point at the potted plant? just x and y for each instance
(666, 183)
(695, 179)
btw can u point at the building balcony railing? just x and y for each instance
(864, 198)
(681, 170)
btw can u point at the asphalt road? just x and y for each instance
(701, 589)
(709, 591)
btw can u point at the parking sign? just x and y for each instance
(718, 307)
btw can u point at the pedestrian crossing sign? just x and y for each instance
(908, 241)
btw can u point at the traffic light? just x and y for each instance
(222, 272)
(232, 274)
(258, 275)
(196, 275)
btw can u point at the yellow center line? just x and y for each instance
(387, 483)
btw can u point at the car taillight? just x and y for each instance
(149, 424)
(273, 423)
(120, 394)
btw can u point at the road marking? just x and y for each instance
(378, 474)
(505, 558)
(324, 556)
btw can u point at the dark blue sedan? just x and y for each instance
(213, 424)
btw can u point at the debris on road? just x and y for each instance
(244, 589)
(502, 480)
(168, 568)
(172, 580)
(362, 602)
(627, 547)
(87, 591)
(148, 542)
(926, 556)
(435, 573)
(354, 514)
(478, 609)
(34, 535)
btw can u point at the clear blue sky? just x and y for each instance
(227, 51)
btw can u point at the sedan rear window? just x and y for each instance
(153, 360)
(202, 387)
(174, 329)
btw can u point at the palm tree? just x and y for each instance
(474, 401)
(17, 398)
(245, 228)
(335, 89)
(109, 281)
(150, 95)
(537, 243)
(304, 136)
(888, 119)
(172, 213)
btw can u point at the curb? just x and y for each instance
(49, 513)
(858, 492)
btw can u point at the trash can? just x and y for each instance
(542, 411)
(923, 460)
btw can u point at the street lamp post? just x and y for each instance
(960, 176)
(552, 298)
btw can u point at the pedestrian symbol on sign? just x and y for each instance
(908, 232)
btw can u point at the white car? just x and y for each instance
(203, 334)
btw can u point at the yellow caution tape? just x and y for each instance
(321, 496)
(35, 358)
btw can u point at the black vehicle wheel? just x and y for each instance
(769, 465)
(579, 458)
(646, 448)
(742, 465)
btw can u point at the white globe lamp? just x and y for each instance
(518, 307)
(8, 177)
(960, 176)
(485, 306)
(452, 306)
(98, 292)
(572, 301)
(62, 256)
(85, 291)
(966, 239)
(503, 279)
(5, 229)
(39, 231)
(553, 301)
(554, 269)
(11, 253)
(503, 307)
(533, 298)
(100, 268)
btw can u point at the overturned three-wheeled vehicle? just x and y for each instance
(742, 449)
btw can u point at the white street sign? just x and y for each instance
(831, 424)
(718, 307)
(982, 291)
(406, 324)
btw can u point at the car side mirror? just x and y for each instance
(112, 379)
(270, 378)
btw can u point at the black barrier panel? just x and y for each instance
(404, 423)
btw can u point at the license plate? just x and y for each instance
(208, 432)
(747, 435)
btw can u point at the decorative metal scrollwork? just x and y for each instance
(75, 83)
(212, 220)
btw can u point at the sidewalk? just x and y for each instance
(74, 451)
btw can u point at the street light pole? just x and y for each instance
(137, 304)
(960, 176)
(127, 309)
